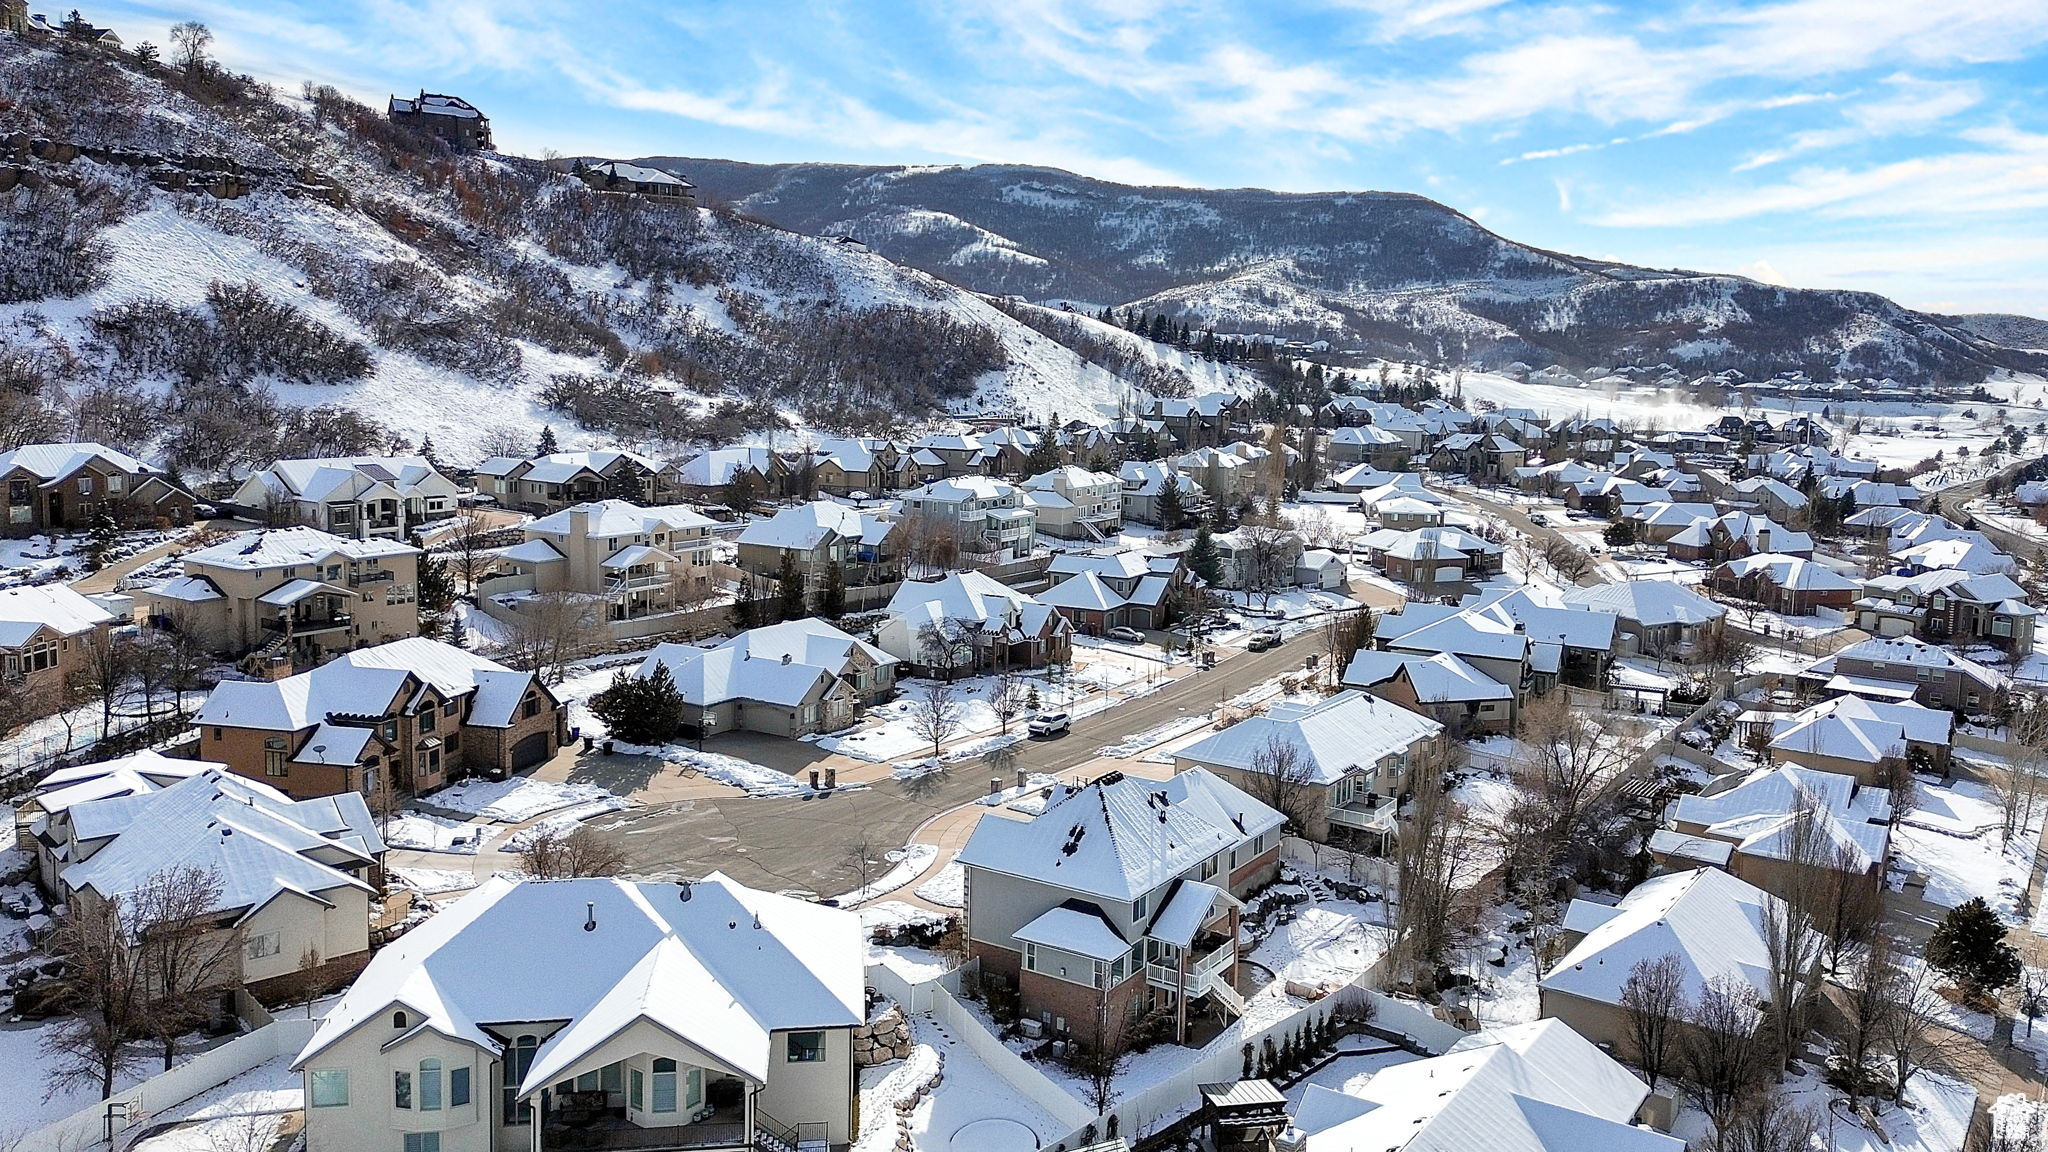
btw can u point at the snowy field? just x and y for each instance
(1953, 836)
(517, 799)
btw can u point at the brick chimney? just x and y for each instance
(276, 668)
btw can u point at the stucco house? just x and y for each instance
(1903, 668)
(642, 564)
(1441, 686)
(990, 518)
(1076, 504)
(550, 483)
(1771, 825)
(1120, 898)
(815, 536)
(1660, 618)
(597, 1013)
(354, 496)
(1949, 604)
(47, 635)
(790, 679)
(966, 621)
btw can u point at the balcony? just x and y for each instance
(646, 582)
(309, 625)
(1203, 974)
(373, 576)
(1368, 814)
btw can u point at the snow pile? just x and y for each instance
(889, 1092)
(972, 750)
(948, 888)
(1036, 782)
(425, 832)
(908, 864)
(1132, 745)
(518, 799)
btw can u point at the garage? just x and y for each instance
(529, 751)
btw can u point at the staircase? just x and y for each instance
(1227, 995)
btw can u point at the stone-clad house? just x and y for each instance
(67, 487)
(550, 483)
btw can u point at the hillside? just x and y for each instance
(1393, 274)
(203, 269)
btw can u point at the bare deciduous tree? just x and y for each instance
(185, 949)
(1284, 777)
(464, 541)
(1006, 697)
(935, 713)
(1565, 810)
(1431, 844)
(1722, 1052)
(551, 629)
(550, 853)
(1869, 995)
(1766, 1120)
(1653, 998)
(104, 987)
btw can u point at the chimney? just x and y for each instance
(1763, 539)
(277, 668)
(1520, 628)
(579, 523)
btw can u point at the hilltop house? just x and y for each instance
(1119, 899)
(550, 483)
(451, 118)
(295, 876)
(638, 180)
(967, 622)
(644, 564)
(597, 1013)
(66, 487)
(294, 592)
(356, 496)
(408, 716)
(47, 636)
(1351, 752)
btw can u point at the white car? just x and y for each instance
(1049, 724)
(1128, 635)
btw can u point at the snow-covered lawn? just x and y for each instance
(1099, 678)
(1953, 836)
(517, 799)
(425, 832)
(947, 889)
(237, 1115)
(905, 864)
(1328, 942)
(751, 778)
(1933, 1117)
(24, 1072)
(974, 1109)
(434, 881)
(1359, 1059)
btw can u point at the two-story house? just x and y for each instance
(47, 635)
(357, 496)
(1076, 504)
(1348, 757)
(1145, 483)
(1949, 604)
(709, 476)
(1485, 457)
(407, 717)
(451, 118)
(296, 592)
(597, 1013)
(644, 563)
(550, 483)
(816, 536)
(968, 622)
(990, 518)
(1119, 899)
(68, 487)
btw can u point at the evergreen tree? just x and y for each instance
(1173, 507)
(789, 587)
(428, 454)
(1045, 455)
(437, 590)
(101, 540)
(745, 613)
(642, 710)
(1969, 947)
(547, 445)
(1203, 560)
(740, 491)
(832, 593)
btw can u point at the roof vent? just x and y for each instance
(685, 893)
(590, 915)
(757, 921)
(785, 657)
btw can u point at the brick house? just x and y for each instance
(1949, 604)
(65, 487)
(1441, 686)
(1792, 585)
(1903, 668)
(411, 715)
(1119, 899)
(1482, 456)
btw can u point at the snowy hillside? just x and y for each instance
(1395, 275)
(366, 287)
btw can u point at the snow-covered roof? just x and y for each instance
(328, 478)
(436, 104)
(960, 489)
(1439, 678)
(717, 466)
(1078, 928)
(28, 610)
(130, 775)
(1083, 592)
(533, 552)
(712, 676)
(50, 462)
(639, 173)
(1120, 836)
(1337, 736)
(1183, 913)
(607, 518)
(1572, 626)
(364, 682)
(806, 526)
(1713, 922)
(719, 965)
(255, 839)
(1956, 552)
(1126, 564)
(291, 547)
(1789, 572)
(1908, 651)
(1761, 815)
(973, 596)
(1853, 728)
(806, 640)
(1650, 603)
(1536, 1087)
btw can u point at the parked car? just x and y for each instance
(1264, 639)
(1049, 724)
(1128, 635)
(1539, 519)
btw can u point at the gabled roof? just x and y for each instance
(1651, 603)
(1711, 921)
(291, 547)
(616, 518)
(1344, 733)
(1120, 837)
(1083, 592)
(1761, 815)
(806, 640)
(638, 173)
(1791, 572)
(807, 525)
(718, 465)
(1572, 626)
(1905, 650)
(1439, 678)
(52, 462)
(973, 596)
(712, 676)
(722, 969)
(130, 775)
(29, 609)
(364, 682)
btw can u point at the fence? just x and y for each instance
(88, 1127)
(1012, 1069)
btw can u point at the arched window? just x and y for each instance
(398, 1020)
(664, 1084)
(430, 1085)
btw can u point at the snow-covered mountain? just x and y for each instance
(1397, 275)
(201, 268)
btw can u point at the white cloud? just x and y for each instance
(1762, 270)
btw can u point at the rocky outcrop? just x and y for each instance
(33, 160)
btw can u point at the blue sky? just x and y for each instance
(1899, 146)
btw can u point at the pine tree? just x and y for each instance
(832, 593)
(789, 587)
(101, 540)
(428, 454)
(1969, 947)
(437, 590)
(547, 445)
(1045, 455)
(745, 614)
(1173, 507)
(1203, 560)
(642, 710)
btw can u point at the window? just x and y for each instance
(806, 1047)
(422, 1142)
(116, 483)
(1209, 866)
(84, 485)
(532, 708)
(268, 944)
(448, 709)
(430, 1085)
(664, 1084)
(273, 757)
(330, 1087)
(518, 1062)
(1138, 906)
(401, 1089)
(427, 719)
(458, 1086)
(636, 1090)
(399, 1020)
(1030, 956)
(38, 656)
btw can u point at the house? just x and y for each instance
(1441, 555)
(1441, 686)
(989, 518)
(705, 1015)
(1402, 512)
(1006, 451)
(1949, 604)
(1777, 822)
(1716, 924)
(1322, 569)
(817, 535)
(67, 487)
(1660, 521)
(1222, 474)
(1535, 1087)
(643, 564)
(130, 775)
(550, 483)
(1203, 421)
(638, 180)
(295, 877)
(1584, 637)
(1119, 899)
(1258, 560)
(793, 679)
(860, 466)
(451, 118)
(14, 16)
(1790, 585)
(1737, 534)
(1659, 618)
(1903, 668)
(953, 454)
(1133, 589)
(1871, 741)
(1483, 457)
(403, 717)
(1966, 552)
(966, 621)
(1368, 444)
(1076, 504)
(356, 496)
(294, 592)
(1144, 482)
(47, 636)
(1770, 496)
(1352, 752)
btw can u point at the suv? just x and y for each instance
(1263, 639)
(1049, 724)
